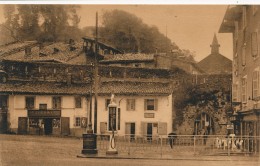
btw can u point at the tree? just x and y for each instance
(127, 32)
(43, 22)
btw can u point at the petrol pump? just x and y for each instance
(112, 125)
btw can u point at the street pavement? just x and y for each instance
(49, 150)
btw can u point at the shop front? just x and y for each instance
(47, 122)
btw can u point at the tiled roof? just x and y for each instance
(122, 87)
(128, 57)
(117, 87)
(14, 47)
(47, 53)
(216, 64)
(44, 88)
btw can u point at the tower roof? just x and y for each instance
(215, 46)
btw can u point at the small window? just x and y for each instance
(130, 104)
(78, 102)
(29, 102)
(56, 102)
(77, 122)
(150, 104)
(137, 65)
(43, 106)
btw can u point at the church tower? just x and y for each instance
(215, 46)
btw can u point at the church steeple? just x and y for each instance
(215, 46)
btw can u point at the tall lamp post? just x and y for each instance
(90, 138)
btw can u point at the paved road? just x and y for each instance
(41, 150)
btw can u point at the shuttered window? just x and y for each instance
(244, 56)
(30, 102)
(78, 103)
(130, 104)
(234, 92)
(150, 104)
(255, 84)
(254, 44)
(244, 91)
(56, 102)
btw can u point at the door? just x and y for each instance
(65, 125)
(149, 131)
(48, 126)
(3, 122)
(132, 131)
(22, 125)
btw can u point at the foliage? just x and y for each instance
(127, 32)
(42, 22)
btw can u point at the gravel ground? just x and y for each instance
(49, 150)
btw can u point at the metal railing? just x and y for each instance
(149, 145)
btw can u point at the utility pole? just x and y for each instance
(96, 76)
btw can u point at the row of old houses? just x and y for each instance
(243, 22)
(48, 88)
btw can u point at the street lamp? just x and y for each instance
(112, 125)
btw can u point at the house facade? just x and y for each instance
(243, 22)
(54, 98)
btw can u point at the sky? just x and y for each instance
(189, 26)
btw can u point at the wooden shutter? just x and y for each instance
(127, 105)
(65, 125)
(143, 128)
(162, 128)
(145, 104)
(254, 44)
(255, 83)
(22, 125)
(103, 127)
(155, 104)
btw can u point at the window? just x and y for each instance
(107, 102)
(244, 91)
(77, 122)
(234, 92)
(78, 102)
(255, 83)
(254, 44)
(43, 106)
(29, 102)
(244, 17)
(137, 65)
(3, 102)
(150, 104)
(56, 102)
(236, 31)
(244, 55)
(130, 104)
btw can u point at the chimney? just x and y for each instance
(41, 46)
(71, 45)
(69, 79)
(28, 52)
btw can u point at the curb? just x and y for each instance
(165, 158)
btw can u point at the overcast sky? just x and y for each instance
(189, 26)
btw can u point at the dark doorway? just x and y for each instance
(47, 126)
(132, 131)
(149, 131)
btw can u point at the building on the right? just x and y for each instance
(243, 21)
